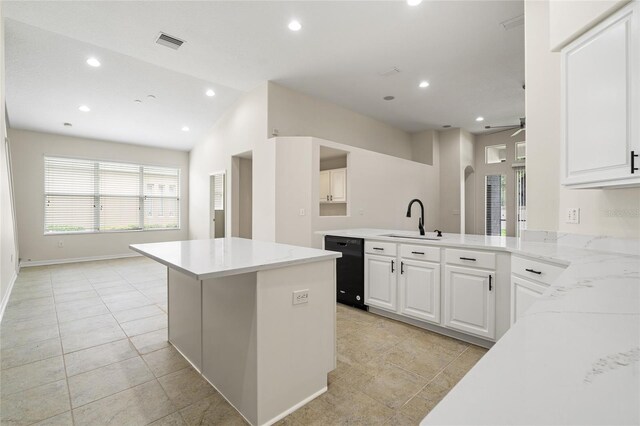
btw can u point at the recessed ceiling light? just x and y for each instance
(389, 98)
(151, 96)
(295, 25)
(84, 108)
(423, 84)
(414, 2)
(185, 129)
(93, 62)
(210, 93)
(480, 119)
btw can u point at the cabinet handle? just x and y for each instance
(401, 268)
(392, 264)
(327, 198)
(418, 252)
(468, 258)
(378, 248)
(633, 162)
(533, 272)
(490, 281)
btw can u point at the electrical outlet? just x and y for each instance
(573, 215)
(300, 296)
(361, 212)
(302, 212)
(60, 244)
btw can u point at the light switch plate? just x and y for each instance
(573, 215)
(300, 296)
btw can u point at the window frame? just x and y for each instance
(141, 197)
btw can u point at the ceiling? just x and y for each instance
(474, 66)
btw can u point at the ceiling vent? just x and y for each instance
(169, 41)
(512, 23)
(389, 73)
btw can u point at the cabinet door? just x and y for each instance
(523, 294)
(469, 301)
(380, 282)
(325, 186)
(420, 290)
(600, 103)
(339, 185)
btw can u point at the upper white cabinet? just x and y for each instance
(600, 104)
(333, 186)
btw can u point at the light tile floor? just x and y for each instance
(86, 344)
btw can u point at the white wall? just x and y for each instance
(570, 18)
(8, 247)
(467, 143)
(449, 146)
(611, 212)
(296, 114)
(241, 129)
(28, 149)
(379, 188)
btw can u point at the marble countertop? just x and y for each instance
(204, 259)
(572, 358)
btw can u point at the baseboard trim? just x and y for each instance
(28, 263)
(478, 341)
(5, 299)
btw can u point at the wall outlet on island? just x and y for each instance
(573, 215)
(300, 296)
(60, 244)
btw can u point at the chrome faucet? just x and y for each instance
(421, 220)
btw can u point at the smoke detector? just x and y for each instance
(169, 41)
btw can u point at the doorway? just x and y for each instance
(242, 195)
(217, 205)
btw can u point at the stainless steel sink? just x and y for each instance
(415, 237)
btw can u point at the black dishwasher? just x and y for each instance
(349, 269)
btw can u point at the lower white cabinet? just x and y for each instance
(523, 294)
(420, 290)
(380, 281)
(469, 301)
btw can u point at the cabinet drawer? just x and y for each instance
(378, 247)
(477, 259)
(536, 270)
(432, 254)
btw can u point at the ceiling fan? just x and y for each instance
(522, 126)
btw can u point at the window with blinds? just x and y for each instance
(101, 196)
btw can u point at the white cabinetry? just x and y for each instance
(601, 104)
(333, 186)
(469, 301)
(523, 294)
(420, 290)
(380, 281)
(529, 280)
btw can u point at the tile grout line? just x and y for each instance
(64, 362)
(436, 376)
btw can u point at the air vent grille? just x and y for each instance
(169, 41)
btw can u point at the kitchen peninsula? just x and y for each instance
(256, 319)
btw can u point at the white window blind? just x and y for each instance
(101, 196)
(218, 192)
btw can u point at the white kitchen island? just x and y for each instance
(238, 314)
